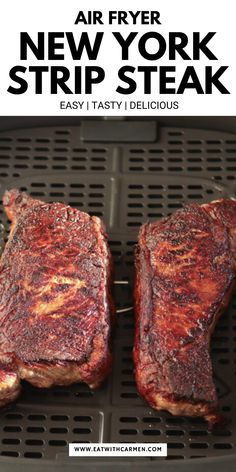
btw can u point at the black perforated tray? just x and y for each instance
(125, 184)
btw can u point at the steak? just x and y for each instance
(55, 297)
(185, 273)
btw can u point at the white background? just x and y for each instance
(176, 16)
(118, 450)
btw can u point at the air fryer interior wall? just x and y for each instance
(214, 123)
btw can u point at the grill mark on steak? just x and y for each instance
(185, 274)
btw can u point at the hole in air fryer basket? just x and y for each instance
(61, 141)
(156, 159)
(175, 159)
(222, 446)
(199, 445)
(80, 150)
(136, 151)
(33, 455)
(10, 453)
(198, 433)
(127, 371)
(60, 158)
(128, 419)
(42, 140)
(59, 430)
(40, 166)
(59, 418)
(156, 151)
(136, 159)
(37, 194)
(174, 432)
(5, 140)
(36, 417)
(136, 168)
(175, 151)
(10, 441)
(151, 432)
(128, 383)
(34, 442)
(175, 169)
(57, 442)
(82, 430)
(151, 419)
(98, 168)
(13, 416)
(84, 394)
(193, 196)
(60, 167)
(173, 457)
(96, 186)
(128, 431)
(57, 185)
(175, 133)
(102, 150)
(129, 395)
(83, 418)
(79, 159)
(60, 149)
(197, 457)
(38, 184)
(226, 408)
(62, 132)
(98, 159)
(57, 194)
(12, 429)
(4, 166)
(171, 141)
(175, 445)
(221, 432)
(35, 429)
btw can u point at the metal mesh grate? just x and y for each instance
(204, 154)
(46, 432)
(125, 185)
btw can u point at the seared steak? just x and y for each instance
(55, 301)
(185, 274)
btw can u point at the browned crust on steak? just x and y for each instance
(55, 293)
(185, 275)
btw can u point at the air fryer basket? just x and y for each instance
(125, 184)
